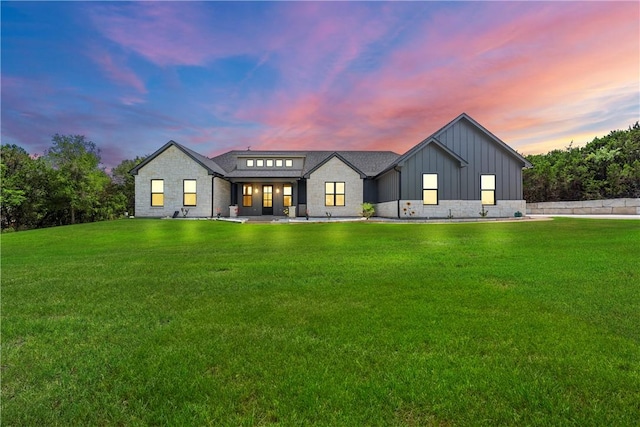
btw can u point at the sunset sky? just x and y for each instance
(217, 76)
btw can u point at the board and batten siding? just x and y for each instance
(431, 159)
(388, 186)
(485, 156)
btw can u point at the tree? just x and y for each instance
(125, 182)
(81, 180)
(607, 167)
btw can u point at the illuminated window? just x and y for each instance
(247, 195)
(249, 163)
(189, 192)
(488, 189)
(267, 196)
(334, 193)
(288, 163)
(287, 194)
(279, 163)
(269, 163)
(430, 188)
(260, 163)
(157, 192)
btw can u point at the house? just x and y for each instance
(458, 171)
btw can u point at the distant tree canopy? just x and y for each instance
(605, 168)
(66, 185)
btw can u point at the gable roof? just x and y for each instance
(339, 157)
(510, 151)
(211, 167)
(433, 139)
(366, 163)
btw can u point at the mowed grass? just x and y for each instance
(151, 322)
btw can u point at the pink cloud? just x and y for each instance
(514, 65)
(120, 74)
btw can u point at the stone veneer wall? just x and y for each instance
(173, 166)
(335, 170)
(457, 208)
(587, 207)
(221, 196)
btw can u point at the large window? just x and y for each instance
(430, 188)
(488, 189)
(189, 192)
(157, 192)
(247, 195)
(287, 194)
(334, 193)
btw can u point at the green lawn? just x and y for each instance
(150, 322)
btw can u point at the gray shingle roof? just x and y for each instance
(369, 163)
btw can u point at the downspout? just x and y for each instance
(213, 203)
(399, 187)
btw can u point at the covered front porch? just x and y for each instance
(272, 198)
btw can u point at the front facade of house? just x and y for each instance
(459, 171)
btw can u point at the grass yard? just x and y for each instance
(150, 322)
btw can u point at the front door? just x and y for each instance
(267, 200)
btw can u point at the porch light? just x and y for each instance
(278, 190)
(256, 190)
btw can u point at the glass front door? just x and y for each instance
(267, 200)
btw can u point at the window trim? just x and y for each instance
(185, 193)
(247, 195)
(426, 188)
(334, 193)
(157, 192)
(484, 190)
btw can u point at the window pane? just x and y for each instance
(246, 189)
(488, 197)
(189, 199)
(246, 200)
(328, 187)
(488, 182)
(339, 199)
(430, 181)
(189, 185)
(430, 197)
(288, 163)
(250, 163)
(259, 163)
(286, 190)
(329, 200)
(339, 187)
(157, 199)
(270, 163)
(287, 201)
(279, 163)
(157, 186)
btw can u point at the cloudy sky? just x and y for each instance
(217, 76)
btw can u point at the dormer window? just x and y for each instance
(269, 163)
(279, 163)
(288, 163)
(249, 163)
(260, 163)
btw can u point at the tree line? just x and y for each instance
(66, 185)
(605, 168)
